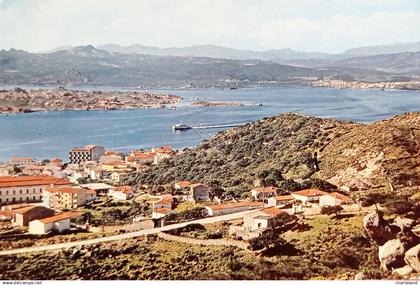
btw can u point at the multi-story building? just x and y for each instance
(20, 161)
(87, 153)
(19, 189)
(64, 198)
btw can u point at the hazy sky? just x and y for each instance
(310, 25)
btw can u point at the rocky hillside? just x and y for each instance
(275, 150)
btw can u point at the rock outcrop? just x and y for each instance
(377, 228)
(391, 254)
(412, 258)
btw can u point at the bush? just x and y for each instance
(214, 235)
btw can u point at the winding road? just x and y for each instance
(66, 245)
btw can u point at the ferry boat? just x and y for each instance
(181, 127)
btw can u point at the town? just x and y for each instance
(87, 194)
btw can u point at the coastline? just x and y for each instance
(18, 100)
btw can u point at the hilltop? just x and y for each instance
(278, 149)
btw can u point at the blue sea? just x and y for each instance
(52, 133)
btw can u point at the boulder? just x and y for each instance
(391, 254)
(412, 258)
(377, 228)
(360, 276)
(403, 223)
(403, 270)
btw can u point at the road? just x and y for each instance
(123, 236)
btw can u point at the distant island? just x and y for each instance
(411, 85)
(19, 100)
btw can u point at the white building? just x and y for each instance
(264, 192)
(87, 153)
(20, 161)
(161, 212)
(262, 219)
(308, 196)
(121, 193)
(333, 199)
(58, 223)
(279, 201)
(18, 189)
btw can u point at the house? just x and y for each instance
(90, 195)
(89, 152)
(100, 188)
(262, 219)
(165, 202)
(161, 212)
(224, 209)
(264, 192)
(64, 198)
(21, 189)
(57, 223)
(199, 192)
(117, 176)
(21, 161)
(280, 201)
(121, 193)
(308, 195)
(333, 199)
(22, 216)
(180, 185)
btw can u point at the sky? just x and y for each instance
(310, 25)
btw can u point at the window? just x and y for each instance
(259, 225)
(33, 198)
(14, 199)
(20, 191)
(14, 192)
(7, 192)
(1, 200)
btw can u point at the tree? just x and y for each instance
(87, 217)
(331, 210)
(266, 240)
(376, 198)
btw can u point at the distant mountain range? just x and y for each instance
(200, 66)
(215, 51)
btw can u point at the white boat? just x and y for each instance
(181, 127)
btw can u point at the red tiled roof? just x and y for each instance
(284, 198)
(24, 209)
(59, 217)
(235, 205)
(22, 158)
(310, 192)
(124, 189)
(265, 189)
(272, 211)
(164, 211)
(6, 214)
(183, 183)
(64, 190)
(16, 206)
(89, 191)
(197, 184)
(16, 181)
(339, 196)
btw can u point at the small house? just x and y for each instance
(58, 223)
(308, 195)
(264, 192)
(199, 192)
(333, 199)
(280, 201)
(262, 219)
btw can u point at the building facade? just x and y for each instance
(87, 153)
(21, 189)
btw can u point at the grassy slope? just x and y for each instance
(330, 248)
